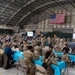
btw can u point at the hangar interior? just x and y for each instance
(28, 15)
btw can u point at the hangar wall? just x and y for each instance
(14, 28)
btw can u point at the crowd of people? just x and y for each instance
(33, 47)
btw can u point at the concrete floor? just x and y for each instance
(13, 71)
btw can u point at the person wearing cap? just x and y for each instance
(49, 40)
(25, 44)
(28, 58)
(33, 42)
(57, 48)
(66, 48)
(49, 59)
(30, 51)
(21, 46)
(36, 55)
(38, 49)
(43, 41)
(65, 56)
(50, 50)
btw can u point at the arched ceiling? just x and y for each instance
(19, 12)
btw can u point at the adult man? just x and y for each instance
(66, 48)
(8, 56)
(8, 51)
(28, 58)
(65, 56)
(48, 59)
(38, 48)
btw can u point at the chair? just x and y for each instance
(6, 61)
(64, 70)
(40, 70)
(21, 66)
(1, 60)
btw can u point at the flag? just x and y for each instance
(57, 18)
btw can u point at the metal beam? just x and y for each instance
(65, 7)
(21, 9)
(6, 7)
(18, 11)
(36, 9)
(71, 3)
